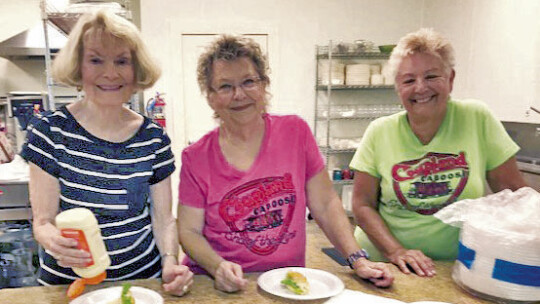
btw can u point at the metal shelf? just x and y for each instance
(322, 118)
(366, 55)
(342, 182)
(65, 21)
(322, 87)
(332, 113)
(330, 150)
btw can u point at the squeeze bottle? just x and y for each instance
(81, 224)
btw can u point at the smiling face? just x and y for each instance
(237, 94)
(424, 85)
(108, 73)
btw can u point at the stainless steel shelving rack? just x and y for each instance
(325, 123)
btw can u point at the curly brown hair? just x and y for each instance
(229, 48)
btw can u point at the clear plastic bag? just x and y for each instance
(499, 254)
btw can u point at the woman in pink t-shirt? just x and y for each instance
(245, 186)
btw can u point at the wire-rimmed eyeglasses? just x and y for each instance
(227, 89)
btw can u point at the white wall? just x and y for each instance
(497, 46)
(299, 26)
(497, 43)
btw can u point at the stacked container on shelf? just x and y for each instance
(353, 88)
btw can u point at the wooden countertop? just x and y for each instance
(407, 288)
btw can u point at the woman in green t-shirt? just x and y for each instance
(413, 163)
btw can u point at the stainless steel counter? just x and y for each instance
(14, 201)
(531, 166)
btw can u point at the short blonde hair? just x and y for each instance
(229, 48)
(425, 40)
(66, 66)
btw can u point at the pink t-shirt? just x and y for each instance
(255, 218)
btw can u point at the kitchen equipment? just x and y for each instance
(25, 105)
(345, 111)
(14, 200)
(18, 255)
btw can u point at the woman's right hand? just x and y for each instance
(64, 250)
(229, 277)
(415, 259)
(44, 197)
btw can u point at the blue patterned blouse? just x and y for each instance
(112, 180)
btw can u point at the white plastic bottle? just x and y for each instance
(82, 225)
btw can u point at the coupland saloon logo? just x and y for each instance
(259, 213)
(427, 184)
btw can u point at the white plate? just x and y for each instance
(322, 284)
(103, 296)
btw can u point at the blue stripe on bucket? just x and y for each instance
(516, 273)
(466, 255)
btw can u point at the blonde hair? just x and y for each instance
(425, 40)
(66, 66)
(229, 48)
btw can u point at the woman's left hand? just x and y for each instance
(377, 273)
(177, 279)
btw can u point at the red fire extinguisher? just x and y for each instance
(155, 109)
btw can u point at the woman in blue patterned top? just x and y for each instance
(98, 154)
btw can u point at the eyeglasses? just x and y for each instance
(226, 89)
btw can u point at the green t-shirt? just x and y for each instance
(417, 180)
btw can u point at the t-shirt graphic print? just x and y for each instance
(259, 213)
(427, 184)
